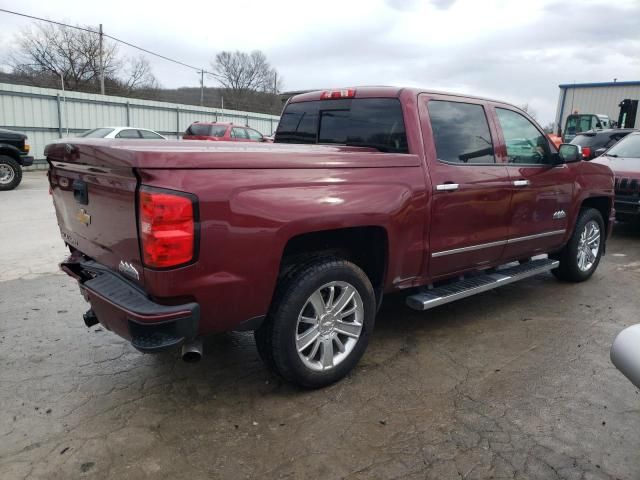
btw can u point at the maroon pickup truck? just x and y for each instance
(365, 191)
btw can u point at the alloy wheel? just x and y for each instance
(329, 325)
(588, 246)
(6, 174)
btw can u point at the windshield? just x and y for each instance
(584, 123)
(364, 122)
(627, 147)
(97, 133)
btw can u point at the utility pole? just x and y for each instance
(221, 102)
(201, 88)
(275, 83)
(101, 64)
(64, 97)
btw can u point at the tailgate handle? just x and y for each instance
(80, 192)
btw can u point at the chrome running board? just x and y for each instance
(434, 297)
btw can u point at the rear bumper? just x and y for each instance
(125, 309)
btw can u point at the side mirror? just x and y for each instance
(570, 153)
(599, 151)
(625, 353)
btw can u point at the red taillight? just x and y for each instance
(586, 152)
(167, 228)
(344, 93)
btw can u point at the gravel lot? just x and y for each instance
(513, 383)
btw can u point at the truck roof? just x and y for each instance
(384, 91)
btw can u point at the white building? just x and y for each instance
(600, 98)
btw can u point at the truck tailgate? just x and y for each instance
(96, 210)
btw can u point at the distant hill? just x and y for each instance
(250, 101)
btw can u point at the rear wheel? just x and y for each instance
(319, 324)
(10, 173)
(581, 256)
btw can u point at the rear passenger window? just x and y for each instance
(461, 132)
(128, 134)
(525, 143)
(149, 135)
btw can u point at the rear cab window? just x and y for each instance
(359, 122)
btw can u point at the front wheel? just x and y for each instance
(319, 324)
(10, 173)
(581, 255)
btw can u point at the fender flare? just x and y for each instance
(10, 150)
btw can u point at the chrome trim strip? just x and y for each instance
(468, 249)
(537, 235)
(495, 244)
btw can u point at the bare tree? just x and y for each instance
(239, 71)
(47, 51)
(139, 75)
(56, 50)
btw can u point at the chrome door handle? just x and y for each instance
(447, 187)
(521, 183)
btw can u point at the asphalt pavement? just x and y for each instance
(512, 383)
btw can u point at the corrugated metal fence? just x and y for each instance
(46, 114)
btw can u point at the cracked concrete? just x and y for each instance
(511, 384)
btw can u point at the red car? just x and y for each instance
(222, 132)
(434, 195)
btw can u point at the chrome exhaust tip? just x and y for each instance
(192, 351)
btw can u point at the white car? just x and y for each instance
(123, 132)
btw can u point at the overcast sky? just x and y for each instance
(511, 50)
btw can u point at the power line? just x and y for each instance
(49, 21)
(156, 54)
(108, 36)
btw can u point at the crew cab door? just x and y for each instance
(542, 191)
(469, 220)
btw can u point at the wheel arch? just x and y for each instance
(10, 151)
(365, 246)
(603, 205)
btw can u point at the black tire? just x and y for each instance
(569, 270)
(16, 178)
(276, 337)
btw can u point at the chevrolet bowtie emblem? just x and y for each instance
(83, 217)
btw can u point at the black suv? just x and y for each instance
(595, 142)
(14, 154)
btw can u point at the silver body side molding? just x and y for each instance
(496, 244)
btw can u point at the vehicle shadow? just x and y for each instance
(231, 364)
(629, 230)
